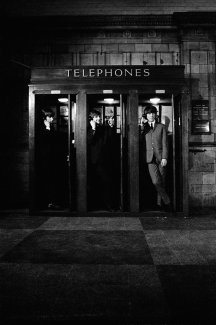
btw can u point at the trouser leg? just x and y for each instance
(157, 173)
(159, 199)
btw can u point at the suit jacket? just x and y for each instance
(155, 142)
(95, 142)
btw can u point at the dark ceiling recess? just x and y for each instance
(195, 18)
(85, 22)
(34, 26)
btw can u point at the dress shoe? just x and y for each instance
(53, 206)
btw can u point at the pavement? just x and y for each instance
(107, 269)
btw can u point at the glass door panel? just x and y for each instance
(105, 152)
(71, 158)
(53, 148)
(150, 199)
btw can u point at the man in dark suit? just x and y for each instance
(98, 177)
(156, 153)
(49, 161)
(112, 164)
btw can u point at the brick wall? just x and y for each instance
(89, 7)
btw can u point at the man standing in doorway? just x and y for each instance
(96, 166)
(156, 153)
(112, 164)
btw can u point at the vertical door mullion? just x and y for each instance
(133, 151)
(81, 151)
(174, 154)
(185, 104)
(69, 158)
(121, 153)
(32, 149)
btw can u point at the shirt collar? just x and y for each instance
(153, 123)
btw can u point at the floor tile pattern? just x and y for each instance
(114, 270)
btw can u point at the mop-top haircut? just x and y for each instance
(149, 109)
(47, 113)
(94, 113)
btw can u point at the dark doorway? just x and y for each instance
(148, 197)
(107, 153)
(53, 151)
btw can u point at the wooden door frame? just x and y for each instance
(133, 151)
(183, 92)
(45, 89)
(81, 131)
(81, 150)
(185, 105)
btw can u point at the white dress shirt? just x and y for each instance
(151, 123)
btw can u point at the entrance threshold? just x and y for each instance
(106, 214)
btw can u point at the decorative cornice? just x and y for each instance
(91, 22)
(202, 144)
(29, 24)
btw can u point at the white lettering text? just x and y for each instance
(138, 72)
(76, 72)
(118, 72)
(146, 72)
(108, 72)
(91, 72)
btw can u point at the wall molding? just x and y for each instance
(202, 144)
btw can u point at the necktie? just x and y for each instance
(151, 126)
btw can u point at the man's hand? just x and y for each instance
(143, 120)
(163, 162)
(93, 124)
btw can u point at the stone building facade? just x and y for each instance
(80, 33)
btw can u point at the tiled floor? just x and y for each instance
(114, 270)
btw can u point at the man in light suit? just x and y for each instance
(156, 153)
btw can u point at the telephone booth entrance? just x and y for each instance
(74, 171)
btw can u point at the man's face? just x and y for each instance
(49, 119)
(97, 119)
(151, 117)
(111, 121)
